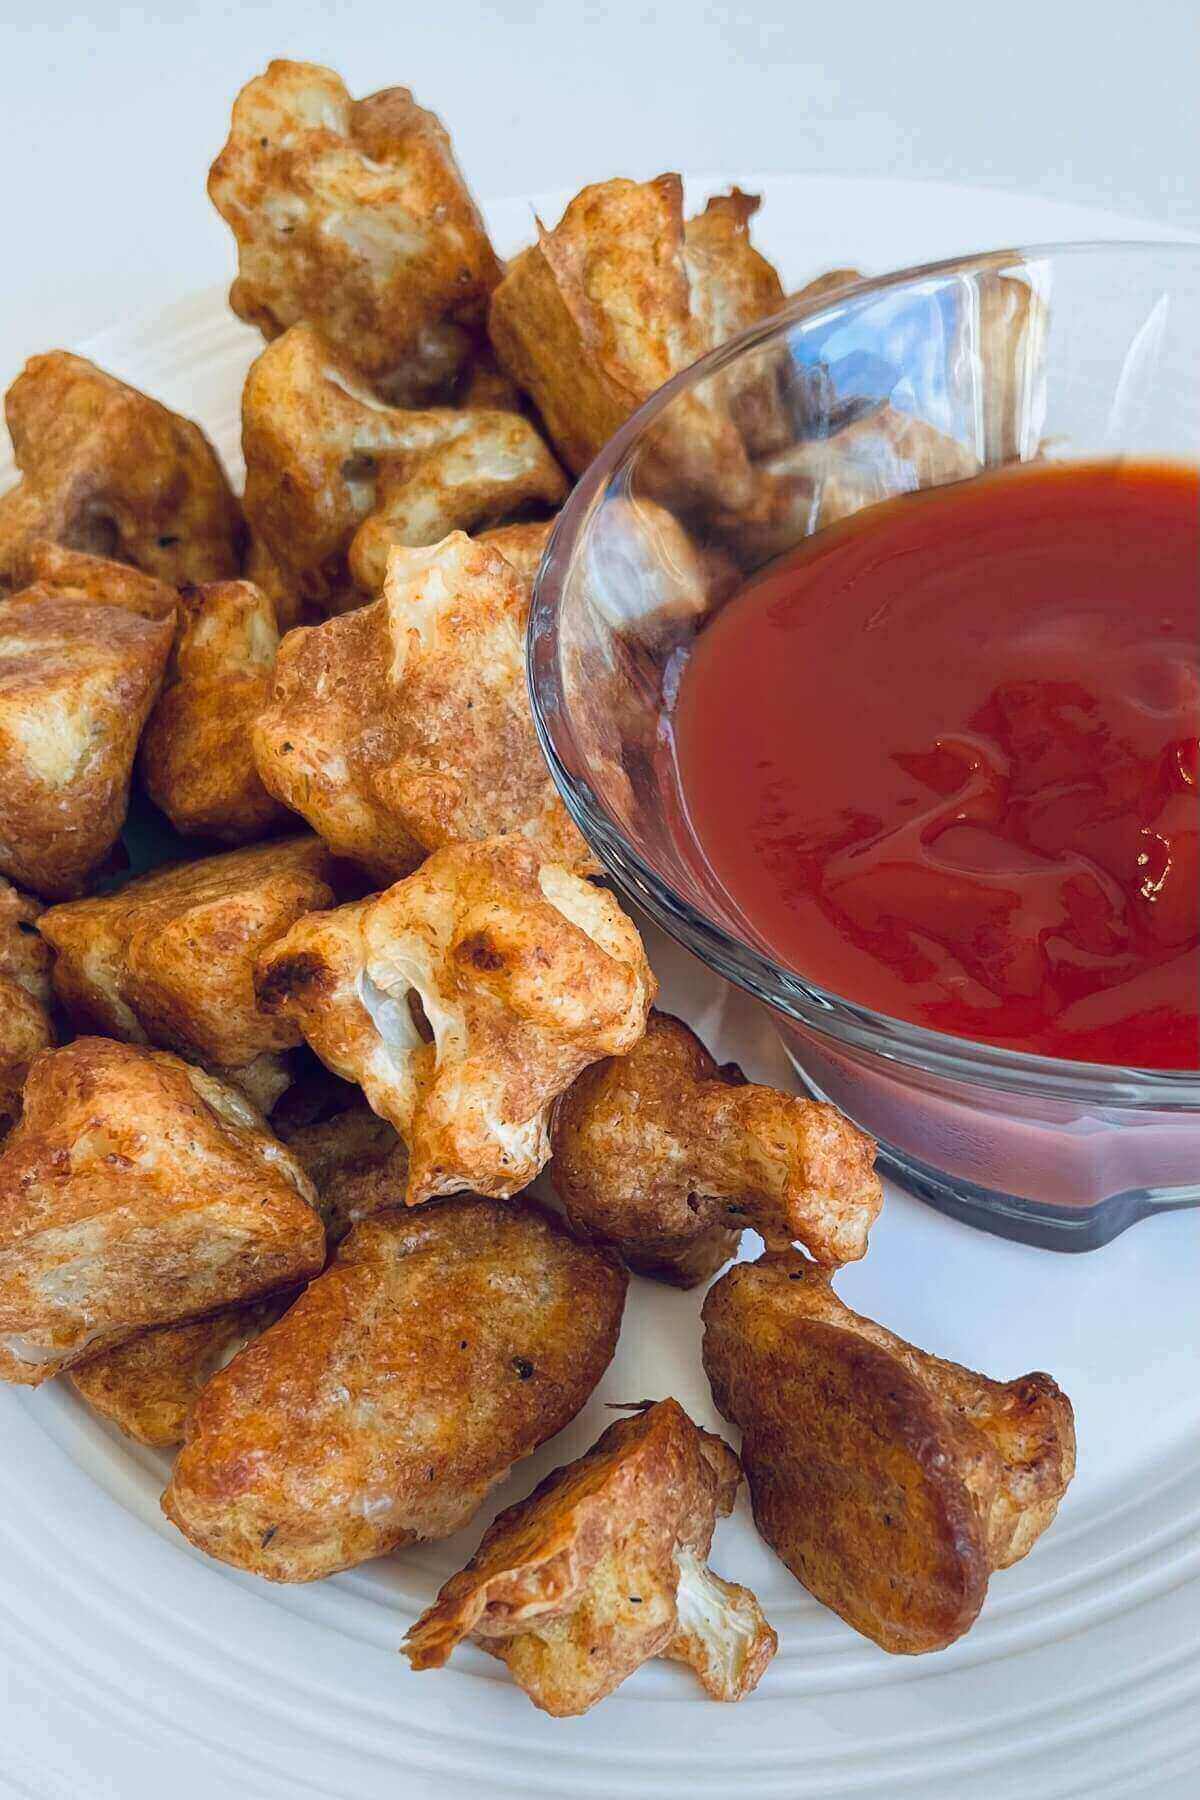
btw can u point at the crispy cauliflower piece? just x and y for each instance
(77, 681)
(604, 1566)
(356, 1162)
(46, 571)
(667, 1158)
(326, 459)
(148, 1386)
(521, 545)
(267, 576)
(732, 287)
(890, 1482)
(169, 958)
(436, 1350)
(25, 1022)
(521, 974)
(596, 316)
(489, 464)
(819, 480)
(405, 725)
(134, 1191)
(197, 759)
(353, 216)
(105, 469)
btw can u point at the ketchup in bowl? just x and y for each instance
(943, 760)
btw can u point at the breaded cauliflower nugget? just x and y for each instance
(46, 571)
(667, 1158)
(148, 1386)
(77, 682)
(890, 1482)
(106, 469)
(355, 1161)
(819, 480)
(169, 958)
(353, 216)
(134, 1191)
(405, 725)
(463, 1000)
(732, 287)
(334, 476)
(197, 759)
(436, 1350)
(25, 1023)
(597, 315)
(604, 1566)
(521, 545)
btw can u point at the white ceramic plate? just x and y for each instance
(133, 1664)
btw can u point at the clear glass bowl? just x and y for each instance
(846, 398)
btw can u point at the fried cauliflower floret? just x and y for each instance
(822, 479)
(890, 1482)
(326, 460)
(604, 1566)
(436, 1350)
(197, 759)
(135, 1191)
(732, 287)
(148, 1386)
(596, 316)
(169, 958)
(464, 1000)
(335, 477)
(521, 545)
(405, 725)
(25, 1023)
(46, 571)
(107, 470)
(77, 682)
(353, 216)
(355, 1161)
(667, 1158)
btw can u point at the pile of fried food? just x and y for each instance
(273, 1109)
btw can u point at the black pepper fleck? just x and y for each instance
(523, 1367)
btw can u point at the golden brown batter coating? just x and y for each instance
(437, 1349)
(890, 1482)
(822, 479)
(169, 958)
(521, 545)
(353, 216)
(597, 315)
(522, 973)
(137, 1190)
(405, 725)
(77, 682)
(668, 1158)
(107, 470)
(25, 1023)
(197, 760)
(355, 1161)
(148, 1386)
(47, 571)
(605, 1566)
(733, 286)
(334, 476)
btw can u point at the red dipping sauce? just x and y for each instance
(943, 760)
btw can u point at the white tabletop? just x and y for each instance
(111, 114)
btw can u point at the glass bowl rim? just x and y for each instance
(801, 1001)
